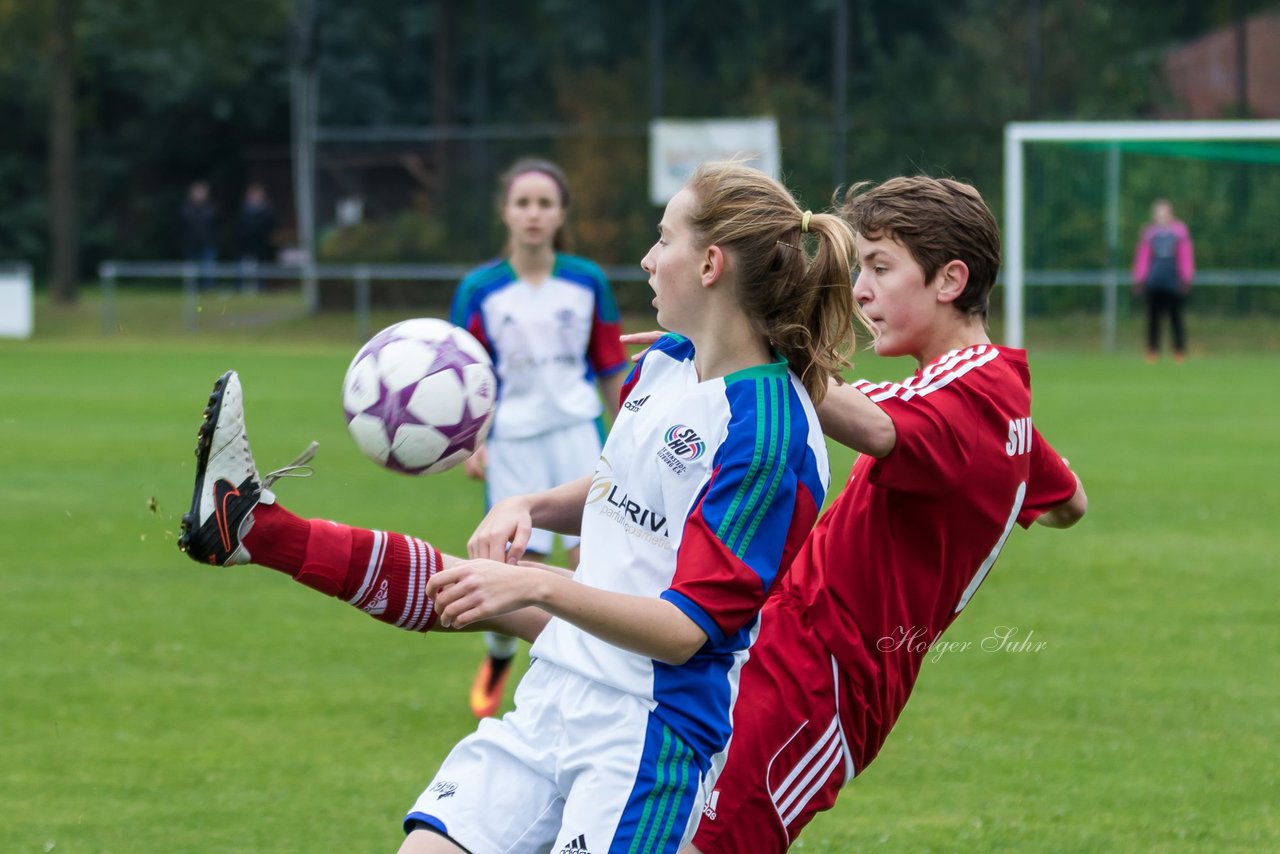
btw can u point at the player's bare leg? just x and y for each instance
(490, 682)
(429, 842)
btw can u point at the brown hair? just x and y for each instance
(525, 165)
(939, 220)
(800, 299)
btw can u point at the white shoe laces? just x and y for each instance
(298, 468)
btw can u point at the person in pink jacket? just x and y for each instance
(1163, 267)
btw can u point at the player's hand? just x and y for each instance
(477, 463)
(645, 338)
(474, 590)
(503, 534)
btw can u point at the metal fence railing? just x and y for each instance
(361, 277)
(249, 276)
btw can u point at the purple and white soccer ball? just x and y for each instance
(419, 396)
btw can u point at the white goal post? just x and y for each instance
(1017, 134)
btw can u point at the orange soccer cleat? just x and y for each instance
(487, 688)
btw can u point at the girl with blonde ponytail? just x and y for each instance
(708, 483)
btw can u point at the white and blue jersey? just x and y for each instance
(704, 492)
(549, 342)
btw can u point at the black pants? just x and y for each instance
(1160, 303)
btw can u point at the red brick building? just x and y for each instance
(1204, 75)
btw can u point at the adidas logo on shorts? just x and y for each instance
(443, 789)
(576, 846)
(709, 808)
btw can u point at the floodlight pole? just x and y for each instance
(656, 70)
(305, 97)
(840, 92)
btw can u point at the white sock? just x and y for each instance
(500, 646)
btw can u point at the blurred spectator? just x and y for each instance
(1163, 268)
(257, 225)
(198, 214)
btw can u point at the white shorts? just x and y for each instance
(578, 766)
(522, 466)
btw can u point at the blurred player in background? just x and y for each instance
(257, 227)
(709, 481)
(1163, 266)
(550, 323)
(950, 463)
(198, 217)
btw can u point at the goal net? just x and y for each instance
(1077, 195)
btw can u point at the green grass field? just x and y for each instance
(148, 704)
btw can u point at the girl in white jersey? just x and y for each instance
(708, 483)
(550, 323)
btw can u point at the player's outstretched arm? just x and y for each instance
(848, 416)
(1069, 512)
(511, 520)
(483, 589)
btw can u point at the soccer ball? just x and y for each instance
(419, 396)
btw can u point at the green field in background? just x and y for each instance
(150, 704)
(158, 312)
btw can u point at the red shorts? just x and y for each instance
(790, 753)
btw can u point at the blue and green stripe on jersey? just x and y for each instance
(764, 475)
(664, 796)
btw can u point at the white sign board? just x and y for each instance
(678, 146)
(17, 313)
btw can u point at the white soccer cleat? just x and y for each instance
(228, 485)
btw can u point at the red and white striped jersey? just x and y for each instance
(896, 557)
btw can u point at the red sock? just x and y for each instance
(383, 574)
(277, 539)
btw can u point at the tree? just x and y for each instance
(24, 100)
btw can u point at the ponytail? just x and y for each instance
(795, 268)
(813, 330)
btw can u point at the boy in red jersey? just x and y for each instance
(950, 462)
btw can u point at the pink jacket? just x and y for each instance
(1186, 254)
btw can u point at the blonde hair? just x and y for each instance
(798, 293)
